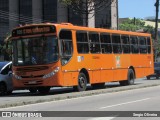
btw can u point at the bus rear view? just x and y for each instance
(35, 57)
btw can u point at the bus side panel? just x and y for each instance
(95, 67)
(122, 62)
(136, 63)
(106, 75)
(120, 74)
(96, 76)
(70, 78)
(107, 65)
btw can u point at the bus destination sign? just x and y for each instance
(33, 30)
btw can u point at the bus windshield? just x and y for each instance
(35, 51)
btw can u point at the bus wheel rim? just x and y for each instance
(82, 82)
(131, 79)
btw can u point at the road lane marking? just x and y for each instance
(124, 103)
(102, 118)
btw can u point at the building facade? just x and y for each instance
(16, 12)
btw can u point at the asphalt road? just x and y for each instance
(23, 97)
(141, 99)
(144, 99)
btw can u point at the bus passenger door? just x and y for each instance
(66, 52)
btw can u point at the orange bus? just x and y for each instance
(49, 55)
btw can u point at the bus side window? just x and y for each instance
(82, 42)
(142, 45)
(134, 44)
(149, 44)
(125, 43)
(116, 42)
(106, 45)
(94, 42)
(66, 45)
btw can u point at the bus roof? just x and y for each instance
(81, 28)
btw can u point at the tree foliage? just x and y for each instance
(6, 49)
(135, 25)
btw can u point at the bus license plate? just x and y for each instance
(32, 82)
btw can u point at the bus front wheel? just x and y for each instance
(33, 90)
(43, 90)
(82, 83)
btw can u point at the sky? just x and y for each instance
(136, 8)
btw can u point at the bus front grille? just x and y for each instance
(31, 76)
(33, 83)
(30, 69)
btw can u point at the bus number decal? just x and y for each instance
(118, 59)
(80, 58)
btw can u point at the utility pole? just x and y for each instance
(156, 29)
(156, 20)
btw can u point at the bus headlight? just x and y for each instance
(51, 73)
(17, 77)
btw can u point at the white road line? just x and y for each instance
(102, 118)
(124, 103)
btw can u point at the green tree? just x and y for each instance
(134, 25)
(6, 49)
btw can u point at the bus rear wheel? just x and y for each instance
(130, 78)
(43, 90)
(82, 83)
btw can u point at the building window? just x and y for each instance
(49, 10)
(25, 11)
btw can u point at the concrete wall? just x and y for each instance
(91, 18)
(114, 15)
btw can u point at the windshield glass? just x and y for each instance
(35, 51)
(2, 64)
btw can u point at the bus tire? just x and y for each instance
(82, 83)
(43, 90)
(130, 79)
(98, 85)
(9, 92)
(32, 90)
(148, 78)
